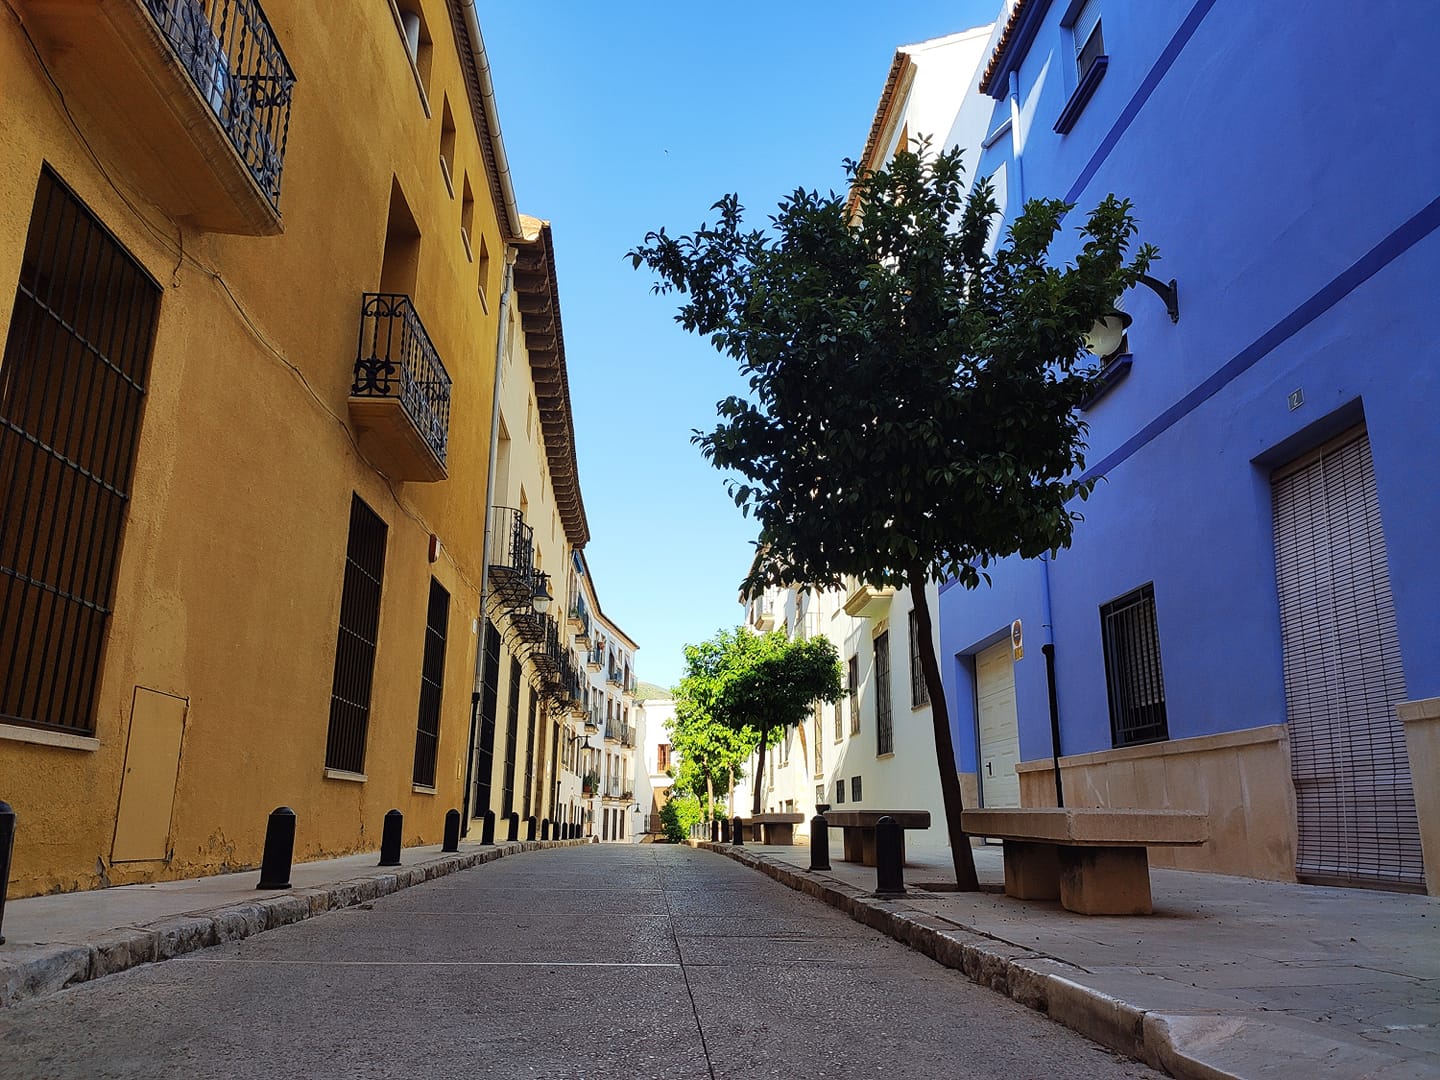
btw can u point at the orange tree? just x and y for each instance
(912, 413)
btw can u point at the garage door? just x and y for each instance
(1343, 677)
(999, 728)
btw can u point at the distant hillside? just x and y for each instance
(648, 691)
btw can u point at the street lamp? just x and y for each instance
(1106, 336)
(540, 598)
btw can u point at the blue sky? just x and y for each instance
(620, 118)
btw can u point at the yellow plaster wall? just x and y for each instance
(229, 584)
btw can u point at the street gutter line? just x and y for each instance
(428, 963)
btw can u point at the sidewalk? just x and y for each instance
(52, 942)
(1230, 977)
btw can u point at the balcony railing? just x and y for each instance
(232, 55)
(511, 557)
(396, 364)
(596, 659)
(614, 677)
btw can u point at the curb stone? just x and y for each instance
(32, 971)
(1190, 1047)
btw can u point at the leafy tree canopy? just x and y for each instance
(913, 405)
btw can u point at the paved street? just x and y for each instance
(611, 961)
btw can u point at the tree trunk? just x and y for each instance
(730, 795)
(709, 795)
(760, 759)
(964, 858)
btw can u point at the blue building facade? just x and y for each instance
(1253, 589)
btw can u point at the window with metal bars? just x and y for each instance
(853, 682)
(489, 703)
(432, 685)
(855, 795)
(839, 792)
(919, 691)
(839, 720)
(884, 722)
(512, 729)
(819, 748)
(530, 754)
(72, 392)
(1133, 675)
(355, 642)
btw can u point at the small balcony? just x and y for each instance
(866, 601)
(192, 97)
(596, 659)
(614, 677)
(630, 686)
(400, 398)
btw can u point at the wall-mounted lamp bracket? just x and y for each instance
(1169, 293)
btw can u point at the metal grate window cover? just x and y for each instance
(919, 691)
(355, 642)
(853, 683)
(527, 793)
(512, 731)
(839, 792)
(489, 703)
(1355, 796)
(432, 685)
(72, 392)
(884, 721)
(1133, 675)
(855, 795)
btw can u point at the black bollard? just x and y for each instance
(725, 830)
(530, 826)
(487, 828)
(7, 846)
(819, 843)
(889, 858)
(737, 832)
(512, 826)
(714, 830)
(452, 831)
(279, 849)
(545, 828)
(390, 838)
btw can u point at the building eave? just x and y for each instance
(1015, 41)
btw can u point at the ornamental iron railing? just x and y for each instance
(231, 54)
(512, 558)
(396, 359)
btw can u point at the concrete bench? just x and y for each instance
(1092, 860)
(859, 828)
(774, 828)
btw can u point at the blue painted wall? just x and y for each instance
(1287, 164)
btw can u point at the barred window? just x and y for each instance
(72, 391)
(884, 723)
(432, 685)
(853, 678)
(839, 792)
(839, 720)
(855, 795)
(919, 691)
(489, 704)
(1133, 675)
(527, 792)
(512, 729)
(355, 641)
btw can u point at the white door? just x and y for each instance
(999, 726)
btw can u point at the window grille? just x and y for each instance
(355, 642)
(1133, 675)
(855, 795)
(839, 720)
(819, 748)
(919, 691)
(72, 391)
(489, 703)
(432, 685)
(884, 726)
(512, 729)
(819, 794)
(839, 792)
(530, 754)
(854, 684)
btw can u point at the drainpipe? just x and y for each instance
(1017, 141)
(502, 331)
(1048, 648)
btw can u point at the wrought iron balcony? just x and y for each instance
(614, 677)
(231, 54)
(190, 98)
(511, 558)
(596, 660)
(401, 392)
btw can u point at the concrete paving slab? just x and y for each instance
(1223, 961)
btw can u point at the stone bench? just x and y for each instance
(1092, 860)
(859, 829)
(774, 828)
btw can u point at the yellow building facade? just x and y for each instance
(251, 263)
